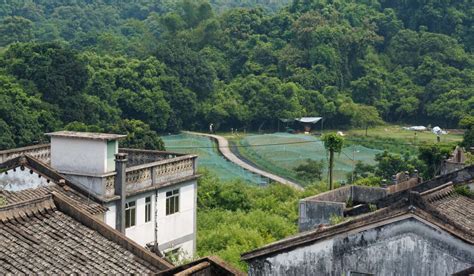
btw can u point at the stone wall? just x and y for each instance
(404, 247)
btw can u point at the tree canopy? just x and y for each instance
(238, 64)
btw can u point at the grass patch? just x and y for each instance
(394, 139)
(335, 219)
(463, 190)
(407, 136)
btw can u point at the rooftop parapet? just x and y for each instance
(40, 152)
(319, 209)
(146, 169)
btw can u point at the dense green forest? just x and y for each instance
(160, 66)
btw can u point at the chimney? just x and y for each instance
(120, 190)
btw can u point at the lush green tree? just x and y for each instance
(139, 135)
(23, 118)
(389, 164)
(54, 70)
(467, 123)
(15, 29)
(333, 144)
(433, 157)
(361, 115)
(361, 170)
(311, 170)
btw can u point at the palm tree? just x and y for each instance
(333, 143)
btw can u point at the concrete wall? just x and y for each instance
(367, 194)
(81, 156)
(405, 185)
(318, 209)
(314, 213)
(175, 230)
(405, 247)
(92, 184)
(449, 166)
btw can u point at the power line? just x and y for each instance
(246, 146)
(290, 143)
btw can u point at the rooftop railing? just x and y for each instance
(39, 152)
(145, 169)
(154, 174)
(139, 157)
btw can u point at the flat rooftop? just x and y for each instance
(86, 135)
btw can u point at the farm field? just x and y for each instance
(280, 152)
(209, 157)
(291, 150)
(281, 159)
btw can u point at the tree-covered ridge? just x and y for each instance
(170, 65)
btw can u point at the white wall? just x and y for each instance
(181, 224)
(109, 217)
(82, 156)
(142, 232)
(176, 230)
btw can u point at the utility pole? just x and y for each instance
(331, 164)
(353, 164)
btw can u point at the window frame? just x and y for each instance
(148, 205)
(172, 202)
(130, 214)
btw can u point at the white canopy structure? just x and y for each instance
(309, 120)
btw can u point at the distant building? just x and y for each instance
(148, 195)
(425, 229)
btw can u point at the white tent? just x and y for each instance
(309, 120)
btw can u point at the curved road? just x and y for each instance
(224, 149)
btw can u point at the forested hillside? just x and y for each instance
(160, 66)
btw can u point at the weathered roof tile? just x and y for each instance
(37, 237)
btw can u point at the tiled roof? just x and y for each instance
(454, 206)
(85, 203)
(41, 236)
(441, 206)
(57, 183)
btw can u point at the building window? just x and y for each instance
(147, 208)
(172, 202)
(130, 214)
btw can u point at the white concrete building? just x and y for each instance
(150, 195)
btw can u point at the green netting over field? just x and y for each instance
(281, 159)
(209, 157)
